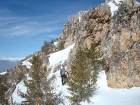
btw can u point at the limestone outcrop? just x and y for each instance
(118, 38)
(122, 49)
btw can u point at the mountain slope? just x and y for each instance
(115, 27)
(104, 94)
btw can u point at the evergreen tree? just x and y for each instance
(61, 45)
(21, 70)
(47, 48)
(85, 69)
(3, 88)
(40, 89)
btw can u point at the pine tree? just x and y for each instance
(85, 69)
(47, 48)
(40, 89)
(61, 45)
(3, 88)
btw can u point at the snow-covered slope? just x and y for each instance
(59, 56)
(104, 95)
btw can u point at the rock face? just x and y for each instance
(118, 38)
(73, 29)
(122, 48)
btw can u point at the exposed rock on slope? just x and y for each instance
(118, 38)
(122, 48)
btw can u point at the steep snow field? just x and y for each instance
(59, 56)
(104, 94)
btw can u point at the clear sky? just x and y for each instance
(26, 24)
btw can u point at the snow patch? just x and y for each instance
(27, 63)
(113, 7)
(79, 19)
(60, 56)
(55, 43)
(20, 87)
(3, 73)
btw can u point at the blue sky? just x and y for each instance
(26, 24)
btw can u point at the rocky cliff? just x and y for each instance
(117, 35)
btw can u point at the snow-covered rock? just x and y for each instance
(27, 63)
(113, 7)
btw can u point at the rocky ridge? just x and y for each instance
(117, 36)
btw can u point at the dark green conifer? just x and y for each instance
(40, 89)
(85, 69)
(47, 48)
(61, 45)
(3, 88)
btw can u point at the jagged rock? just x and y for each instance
(73, 28)
(130, 2)
(124, 56)
(119, 41)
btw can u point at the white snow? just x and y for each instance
(111, 96)
(55, 43)
(27, 63)
(3, 73)
(20, 87)
(79, 19)
(113, 7)
(104, 94)
(60, 56)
